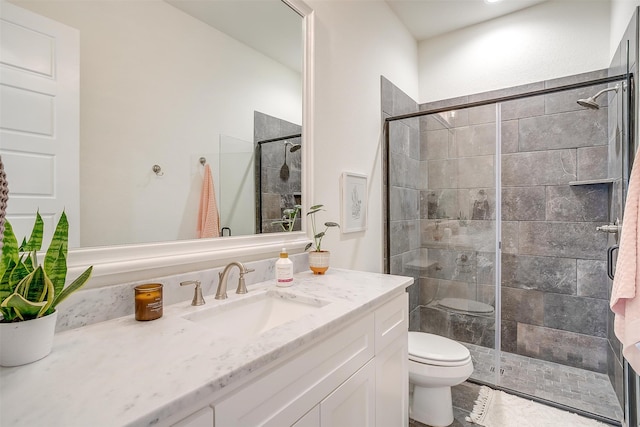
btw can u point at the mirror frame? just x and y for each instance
(126, 263)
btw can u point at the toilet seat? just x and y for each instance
(435, 350)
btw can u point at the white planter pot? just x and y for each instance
(28, 341)
(319, 261)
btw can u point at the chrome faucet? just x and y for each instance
(221, 293)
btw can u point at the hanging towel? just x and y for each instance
(208, 216)
(625, 295)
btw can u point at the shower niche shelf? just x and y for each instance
(593, 181)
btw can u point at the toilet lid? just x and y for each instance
(436, 350)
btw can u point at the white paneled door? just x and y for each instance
(39, 120)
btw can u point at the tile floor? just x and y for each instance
(585, 390)
(577, 388)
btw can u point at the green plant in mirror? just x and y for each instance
(29, 290)
(288, 220)
(317, 237)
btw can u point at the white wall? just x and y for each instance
(549, 40)
(355, 43)
(159, 87)
(621, 12)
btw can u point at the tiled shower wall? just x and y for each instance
(276, 192)
(405, 186)
(554, 286)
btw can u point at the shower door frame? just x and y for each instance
(628, 78)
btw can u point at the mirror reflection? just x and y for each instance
(168, 83)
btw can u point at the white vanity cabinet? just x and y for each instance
(353, 377)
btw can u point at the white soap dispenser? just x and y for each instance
(284, 270)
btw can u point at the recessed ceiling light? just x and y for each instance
(492, 1)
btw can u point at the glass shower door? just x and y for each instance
(443, 227)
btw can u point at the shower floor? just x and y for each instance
(574, 387)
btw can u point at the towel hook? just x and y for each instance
(203, 160)
(157, 170)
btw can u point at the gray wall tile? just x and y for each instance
(539, 168)
(562, 239)
(509, 136)
(483, 114)
(521, 108)
(435, 144)
(404, 203)
(577, 203)
(562, 347)
(583, 128)
(523, 203)
(576, 314)
(523, 306)
(548, 274)
(477, 140)
(475, 172)
(592, 162)
(443, 173)
(593, 281)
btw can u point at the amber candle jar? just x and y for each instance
(148, 301)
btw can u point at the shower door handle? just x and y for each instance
(610, 260)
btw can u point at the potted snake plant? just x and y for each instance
(318, 258)
(30, 292)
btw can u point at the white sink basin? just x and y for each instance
(254, 314)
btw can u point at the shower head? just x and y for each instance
(294, 147)
(591, 101)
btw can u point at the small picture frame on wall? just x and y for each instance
(354, 202)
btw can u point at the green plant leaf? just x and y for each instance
(320, 235)
(6, 288)
(55, 260)
(313, 211)
(19, 272)
(57, 270)
(24, 309)
(9, 249)
(316, 207)
(306, 248)
(34, 287)
(331, 224)
(8, 314)
(74, 286)
(35, 241)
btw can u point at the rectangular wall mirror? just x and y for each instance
(160, 88)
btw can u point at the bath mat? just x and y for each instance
(495, 408)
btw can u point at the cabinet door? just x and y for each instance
(353, 403)
(392, 384)
(286, 393)
(311, 418)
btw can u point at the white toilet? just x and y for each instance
(435, 365)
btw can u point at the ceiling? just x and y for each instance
(430, 18)
(268, 26)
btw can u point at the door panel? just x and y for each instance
(39, 124)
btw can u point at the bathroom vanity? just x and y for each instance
(328, 351)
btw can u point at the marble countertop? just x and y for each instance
(128, 373)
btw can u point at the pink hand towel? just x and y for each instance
(625, 295)
(208, 216)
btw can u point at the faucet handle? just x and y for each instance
(197, 296)
(242, 287)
